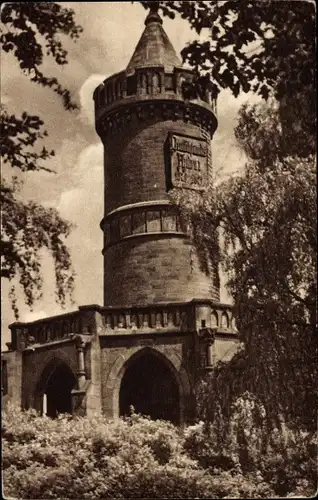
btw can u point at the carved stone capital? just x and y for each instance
(80, 341)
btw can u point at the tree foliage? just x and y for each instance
(270, 211)
(139, 458)
(253, 46)
(31, 32)
(267, 214)
(266, 47)
(19, 137)
(27, 229)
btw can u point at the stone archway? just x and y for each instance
(150, 386)
(55, 388)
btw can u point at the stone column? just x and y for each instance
(210, 354)
(44, 405)
(207, 338)
(209, 357)
(81, 377)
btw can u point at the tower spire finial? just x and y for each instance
(154, 6)
(153, 16)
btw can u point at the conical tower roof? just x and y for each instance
(154, 47)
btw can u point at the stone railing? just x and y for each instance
(170, 317)
(186, 317)
(47, 330)
(222, 317)
(89, 320)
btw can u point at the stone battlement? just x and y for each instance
(119, 98)
(146, 83)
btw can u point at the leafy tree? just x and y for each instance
(266, 47)
(267, 214)
(252, 45)
(268, 218)
(31, 31)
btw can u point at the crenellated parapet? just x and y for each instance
(147, 93)
(52, 329)
(183, 317)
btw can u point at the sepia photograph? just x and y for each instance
(158, 250)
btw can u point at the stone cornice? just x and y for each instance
(152, 235)
(140, 204)
(140, 99)
(115, 118)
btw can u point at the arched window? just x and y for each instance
(225, 323)
(170, 319)
(143, 83)
(155, 83)
(214, 319)
(145, 321)
(121, 321)
(109, 321)
(134, 321)
(158, 320)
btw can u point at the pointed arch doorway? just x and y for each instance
(150, 386)
(56, 386)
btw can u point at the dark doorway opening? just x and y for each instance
(58, 391)
(150, 387)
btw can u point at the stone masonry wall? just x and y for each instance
(135, 168)
(154, 269)
(150, 269)
(14, 376)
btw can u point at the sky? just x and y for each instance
(111, 32)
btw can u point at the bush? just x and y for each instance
(136, 457)
(283, 459)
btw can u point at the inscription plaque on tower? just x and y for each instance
(188, 161)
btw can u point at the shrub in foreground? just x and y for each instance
(127, 458)
(284, 459)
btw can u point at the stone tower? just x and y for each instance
(153, 140)
(161, 326)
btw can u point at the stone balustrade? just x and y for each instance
(172, 317)
(90, 320)
(46, 330)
